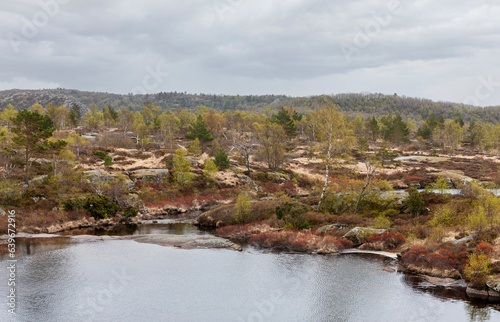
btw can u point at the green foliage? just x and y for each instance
(182, 172)
(441, 185)
(242, 209)
(210, 170)
(31, 133)
(415, 203)
(75, 114)
(363, 144)
(73, 204)
(100, 207)
(198, 130)
(100, 154)
(373, 128)
(97, 206)
(195, 147)
(478, 269)
(384, 155)
(129, 212)
(381, 222)
(221, 159)
(477, 219)
(292, 213)
(287, 120)
(394, 129)
(108, 161)
(445, 216)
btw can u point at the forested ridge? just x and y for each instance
(348, 103)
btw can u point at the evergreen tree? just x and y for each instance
(31, 133)
(287, 121)
(198, 130)
(373, 128)
(221, 159)
(75, 114)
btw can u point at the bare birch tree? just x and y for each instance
(333, 135)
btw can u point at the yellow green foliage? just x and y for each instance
(242, 209)
(478, 268)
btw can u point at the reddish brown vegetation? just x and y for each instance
(271, 187)
(158, 196)
(385, 241)
(485, 248)
(293, 240)
(447, 258)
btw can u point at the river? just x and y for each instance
(67, 279)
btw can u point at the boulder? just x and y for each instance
(493, 282)
(2, 212)
(278, 177)
(135, 201)
(328, 228)
(475, 293)
(94, 176)
(464, 240)
(360, 235)
(249, 181)
(149, 175)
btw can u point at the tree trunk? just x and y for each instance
(26, 178)
(327, 171)
(367, 183)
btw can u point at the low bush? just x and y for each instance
(129, 212)
(390, 240)
(447, 258)
(100, 207)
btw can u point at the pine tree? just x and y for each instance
(221, 159)
(31, 133)
(198, 130)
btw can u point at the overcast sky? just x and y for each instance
(442, 50)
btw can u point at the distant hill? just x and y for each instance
(350, 103)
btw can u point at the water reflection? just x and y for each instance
(145, 229)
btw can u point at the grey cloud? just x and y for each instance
(244, 46)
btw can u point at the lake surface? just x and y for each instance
(63, 279)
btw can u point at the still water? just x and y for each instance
(65, 279)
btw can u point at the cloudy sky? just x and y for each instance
(442, 50)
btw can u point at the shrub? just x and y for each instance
(72, 205)
(477, 269)
(485, 248)
(221, 159)
(129, 212)
(381, 222)
(108, 161)
(100, 207)
(182, 173)
(210, 171)
(292, 213)
(242, 209)
(447, 258)
(391, 240)
(415, 203)
(100, 154)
